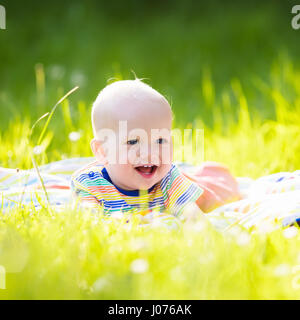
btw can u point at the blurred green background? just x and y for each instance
(203, 55)
(172, 43)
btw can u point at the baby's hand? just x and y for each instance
(219, 185)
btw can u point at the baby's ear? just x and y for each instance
(98, 151)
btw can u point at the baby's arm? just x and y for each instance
(219, 185)
(82, 198)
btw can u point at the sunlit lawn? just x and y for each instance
(78, 255)
(250, 113)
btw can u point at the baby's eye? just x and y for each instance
(161, 140)
(132, 142)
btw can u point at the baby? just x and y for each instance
(133, 171)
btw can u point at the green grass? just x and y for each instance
(238, 79)
(75, 255)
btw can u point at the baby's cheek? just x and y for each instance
(166, 154)
(132, 156)
(164, 169)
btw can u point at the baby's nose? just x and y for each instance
(148, 155)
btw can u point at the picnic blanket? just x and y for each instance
(270, 199)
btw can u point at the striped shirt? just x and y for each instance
(92, 185)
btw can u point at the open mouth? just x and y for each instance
(146, 171)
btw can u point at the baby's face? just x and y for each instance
(140, 152)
